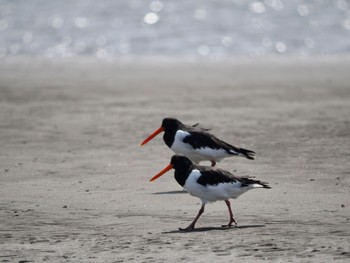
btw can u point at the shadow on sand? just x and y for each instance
(171, 192)
(206, 229)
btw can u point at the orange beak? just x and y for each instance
(154, 134)
(170, 166)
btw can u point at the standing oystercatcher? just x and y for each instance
(195, 143)
(209, 184)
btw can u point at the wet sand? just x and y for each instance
(74, 178)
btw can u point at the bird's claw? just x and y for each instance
(189, 228)
(233, 222)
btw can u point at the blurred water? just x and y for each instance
(181, 28)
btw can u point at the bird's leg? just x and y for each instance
(191, 226)
(232, 220)
(213, 163)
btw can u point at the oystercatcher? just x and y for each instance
(196, 143)
(209, 184)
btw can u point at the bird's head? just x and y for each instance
(168, 124)
(178, 162)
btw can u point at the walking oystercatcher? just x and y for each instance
(209, 184)
(196, 143)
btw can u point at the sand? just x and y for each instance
(74, 178)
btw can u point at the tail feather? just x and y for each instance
(264, 185)
(246, 153)
(248, 182)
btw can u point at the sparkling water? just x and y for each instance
(174, 28)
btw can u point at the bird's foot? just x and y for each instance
(232, 221)
(189, 228)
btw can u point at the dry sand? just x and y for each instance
(74, 179)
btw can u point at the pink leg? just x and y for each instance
(213, 163)
(232, 220)
(191, 226)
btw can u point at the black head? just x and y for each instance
(182, 166)
(180, 162)
(169, 127)
(171, 124)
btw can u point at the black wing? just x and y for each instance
(211, 176)
(214, 176)
(200, 139)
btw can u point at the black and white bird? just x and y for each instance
(209, 184)
(196, 143)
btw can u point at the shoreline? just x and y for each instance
(183, 59)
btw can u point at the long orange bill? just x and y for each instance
(154, 134)
(170, 166)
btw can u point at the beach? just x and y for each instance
(75, 180)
